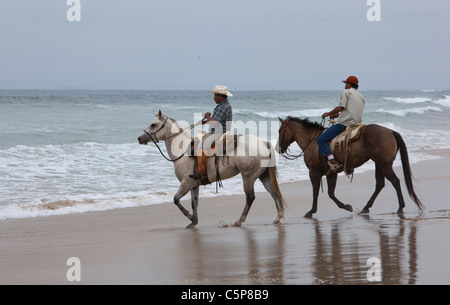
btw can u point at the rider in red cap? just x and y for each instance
(348, 113)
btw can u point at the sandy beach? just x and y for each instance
(149, 245)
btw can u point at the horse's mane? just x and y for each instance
(306, 123)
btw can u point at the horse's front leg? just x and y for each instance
(315, 181)
(183, 190)
(249, 197)
(331, 180)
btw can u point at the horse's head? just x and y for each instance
(285, 137)
(155, 130)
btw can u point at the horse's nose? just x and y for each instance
(141, 140)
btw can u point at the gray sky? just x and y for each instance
(245, 44)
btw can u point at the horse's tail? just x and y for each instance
(407, 170)
(273, 174)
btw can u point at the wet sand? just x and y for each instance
(149, 245)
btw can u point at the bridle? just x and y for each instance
(280, 138)
(155, 140)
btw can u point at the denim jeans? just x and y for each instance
(327, 136)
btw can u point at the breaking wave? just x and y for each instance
(404, 112)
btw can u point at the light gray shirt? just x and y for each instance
(353, 104)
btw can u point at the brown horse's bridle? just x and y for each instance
(280, 138)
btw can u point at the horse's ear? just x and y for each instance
(282, 122)
(160, 114)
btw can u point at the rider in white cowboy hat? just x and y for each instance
(220, 89)
(223, 111)
(222, 114)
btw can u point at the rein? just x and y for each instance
(294, 157)
(156, 141)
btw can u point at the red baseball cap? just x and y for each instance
(351, 79)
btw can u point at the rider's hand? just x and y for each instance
(206, 118)
(334, 116)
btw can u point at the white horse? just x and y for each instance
(253, 158)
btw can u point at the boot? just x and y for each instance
(335, 166)
(200, 166)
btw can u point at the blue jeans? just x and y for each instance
(327, 136)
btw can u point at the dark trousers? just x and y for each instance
(329, 134)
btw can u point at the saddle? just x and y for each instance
(341, 144)
(226, 146)
(227, 142)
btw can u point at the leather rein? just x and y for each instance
(155, 140)
(294, 157)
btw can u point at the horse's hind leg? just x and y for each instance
(194, 202)
(265, 180)
(379, 176)
(249, 197)
(331, 181)
(391, 176)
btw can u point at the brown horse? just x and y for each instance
(377, 143)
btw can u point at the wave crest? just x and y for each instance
(404, 112)
(282, 114)
(408, 100)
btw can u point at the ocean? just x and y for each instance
(74, 151)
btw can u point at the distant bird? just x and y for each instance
(326, 20)
(199, 57)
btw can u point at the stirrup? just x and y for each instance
(196, 176)
(335, 166)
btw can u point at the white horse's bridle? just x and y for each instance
(155, 139)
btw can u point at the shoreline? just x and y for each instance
(149, 245)
(69, 207)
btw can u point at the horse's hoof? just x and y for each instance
(308, 215)
(278, 220)
(349, 208)
(364, 211)
(190, 226)
(237, 224)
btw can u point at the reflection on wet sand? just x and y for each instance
(344, 247)
(238, 256)
(334, 251)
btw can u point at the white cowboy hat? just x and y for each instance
(221, 90)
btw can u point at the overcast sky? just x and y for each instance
(245, 44)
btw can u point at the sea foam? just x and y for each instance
(404, 112)
(408, 100)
